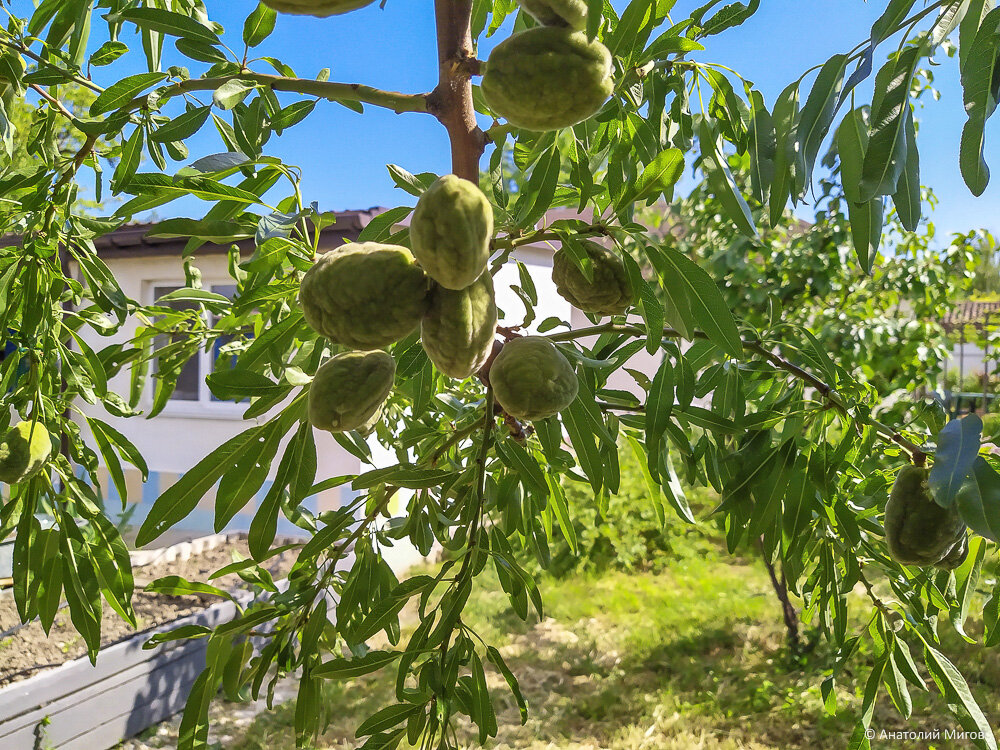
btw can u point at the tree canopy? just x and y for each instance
(768, 396)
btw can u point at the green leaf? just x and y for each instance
(259, 25)
(978, 500)
(955, 690)
(659, 404)
(785, 116)
(885, 158)
(497, 660)
(659, 177)
(107, 53)
(347, 669)
(557, 499)
(817, 116)
(182, 127)
(218, 231)
(241, 481)
(177, 586)
(168, 22)
(182, 497)
(402, 475)
(865, 217)
(707, 305)
(524, 464)
(231, 93)
(235, 384)
(581, 435)
(907, 195)
(980, 92)
(716, 167)
(957, 450)
(129, 162)
(763, 147)
(386, 718)
(122, 92)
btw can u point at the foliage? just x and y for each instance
(631, 532)
(783, 423)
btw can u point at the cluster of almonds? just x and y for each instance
(368, 295)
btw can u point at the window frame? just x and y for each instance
(205, 407)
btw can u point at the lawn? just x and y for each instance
(687, 653)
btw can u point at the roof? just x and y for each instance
(971, 312)
(131, 240)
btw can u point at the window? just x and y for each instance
(191, 385)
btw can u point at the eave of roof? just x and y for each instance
(132, 240)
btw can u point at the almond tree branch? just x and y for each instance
(342, 92)
(757, 347)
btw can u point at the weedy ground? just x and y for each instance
(686, 654)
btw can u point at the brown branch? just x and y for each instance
(828, 392)
(451, 100)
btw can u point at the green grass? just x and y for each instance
(689, 656)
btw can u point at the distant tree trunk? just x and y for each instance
(788, 611)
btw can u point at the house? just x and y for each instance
(194, 422)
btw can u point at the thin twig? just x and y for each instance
(828, 392)
(335, 92)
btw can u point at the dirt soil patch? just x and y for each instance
(29, 650)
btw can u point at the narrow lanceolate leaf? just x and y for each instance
(659, 176)
(182, 127)
(763, 148)
(867, 220)
(907, 195)
(659, 403)
(969, 28)
(817, 116)
(346, 669)
(716, 167)
(182, 497)
(122, 92)
(865, 216)
(707, 305)
(978, 500)
(168, 22)
(259, 25)
(852, 144)
(980, 92)
(785, 117)
(886, 155)
(129, 162)
(957, 449)
(955, 690)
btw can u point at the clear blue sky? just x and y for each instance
(344, 154)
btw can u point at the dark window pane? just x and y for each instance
(189, 377)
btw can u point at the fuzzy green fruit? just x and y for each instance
(23, 452)
(572, 13)
(547, 78)
(917, 529)
(319, 8)
(532, 379)
(349, 390)
(365, 295)
(458, 331)
(610, 291)
(450, 232)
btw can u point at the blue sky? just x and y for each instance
(344, 154)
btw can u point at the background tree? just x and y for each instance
(790, 438)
